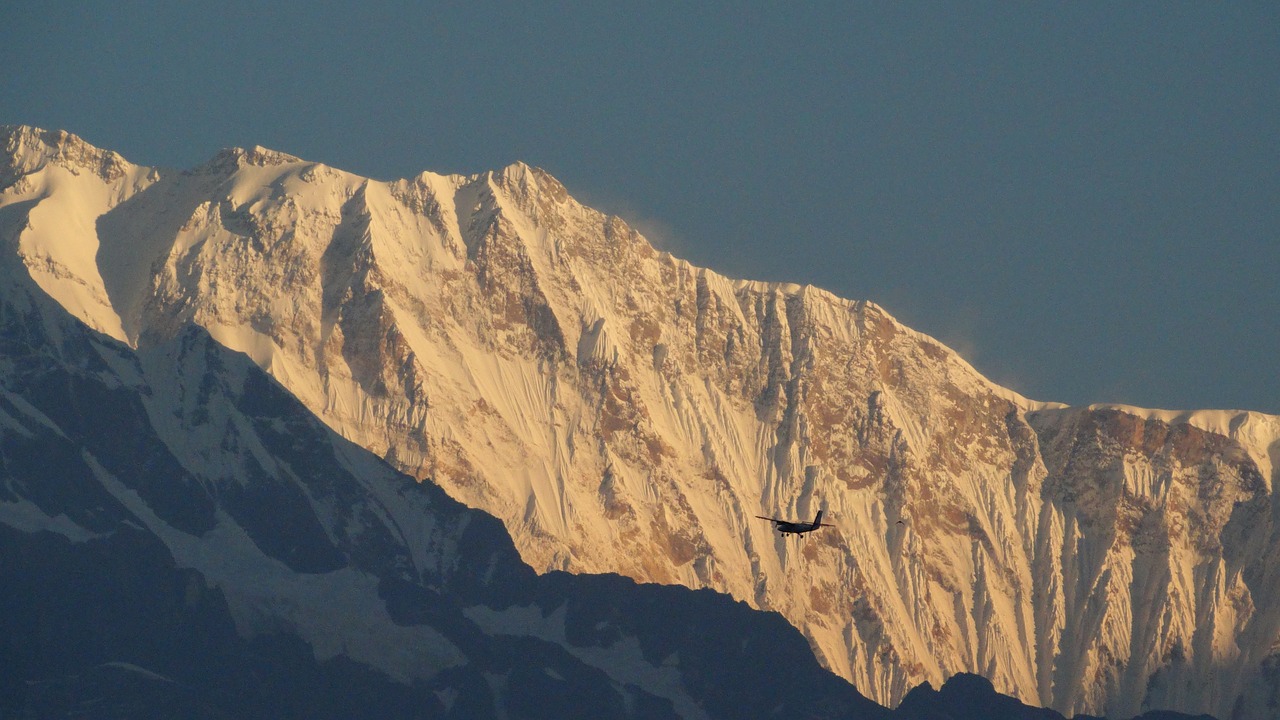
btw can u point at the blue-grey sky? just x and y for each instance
(1082, 198)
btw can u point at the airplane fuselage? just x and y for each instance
(797, 528)
(790, 527)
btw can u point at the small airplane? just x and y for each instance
(798, 527)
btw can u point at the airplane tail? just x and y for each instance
(817, 522)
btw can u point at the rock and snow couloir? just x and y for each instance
(623, 411)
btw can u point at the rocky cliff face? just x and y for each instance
(623, 411)
(179, 537)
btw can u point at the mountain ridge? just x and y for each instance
(623, 411)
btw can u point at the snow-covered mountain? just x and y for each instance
(623, 411)
(180, 538)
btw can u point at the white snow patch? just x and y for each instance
(337, 613)
(25, 516)
(623, 662)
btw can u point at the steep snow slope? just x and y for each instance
(56, 188)
(623, 411)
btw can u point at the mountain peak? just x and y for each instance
(229, 160)
(525, 181)
(27, 149)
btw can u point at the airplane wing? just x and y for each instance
(770, 519)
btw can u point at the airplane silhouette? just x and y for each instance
(799, 527)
